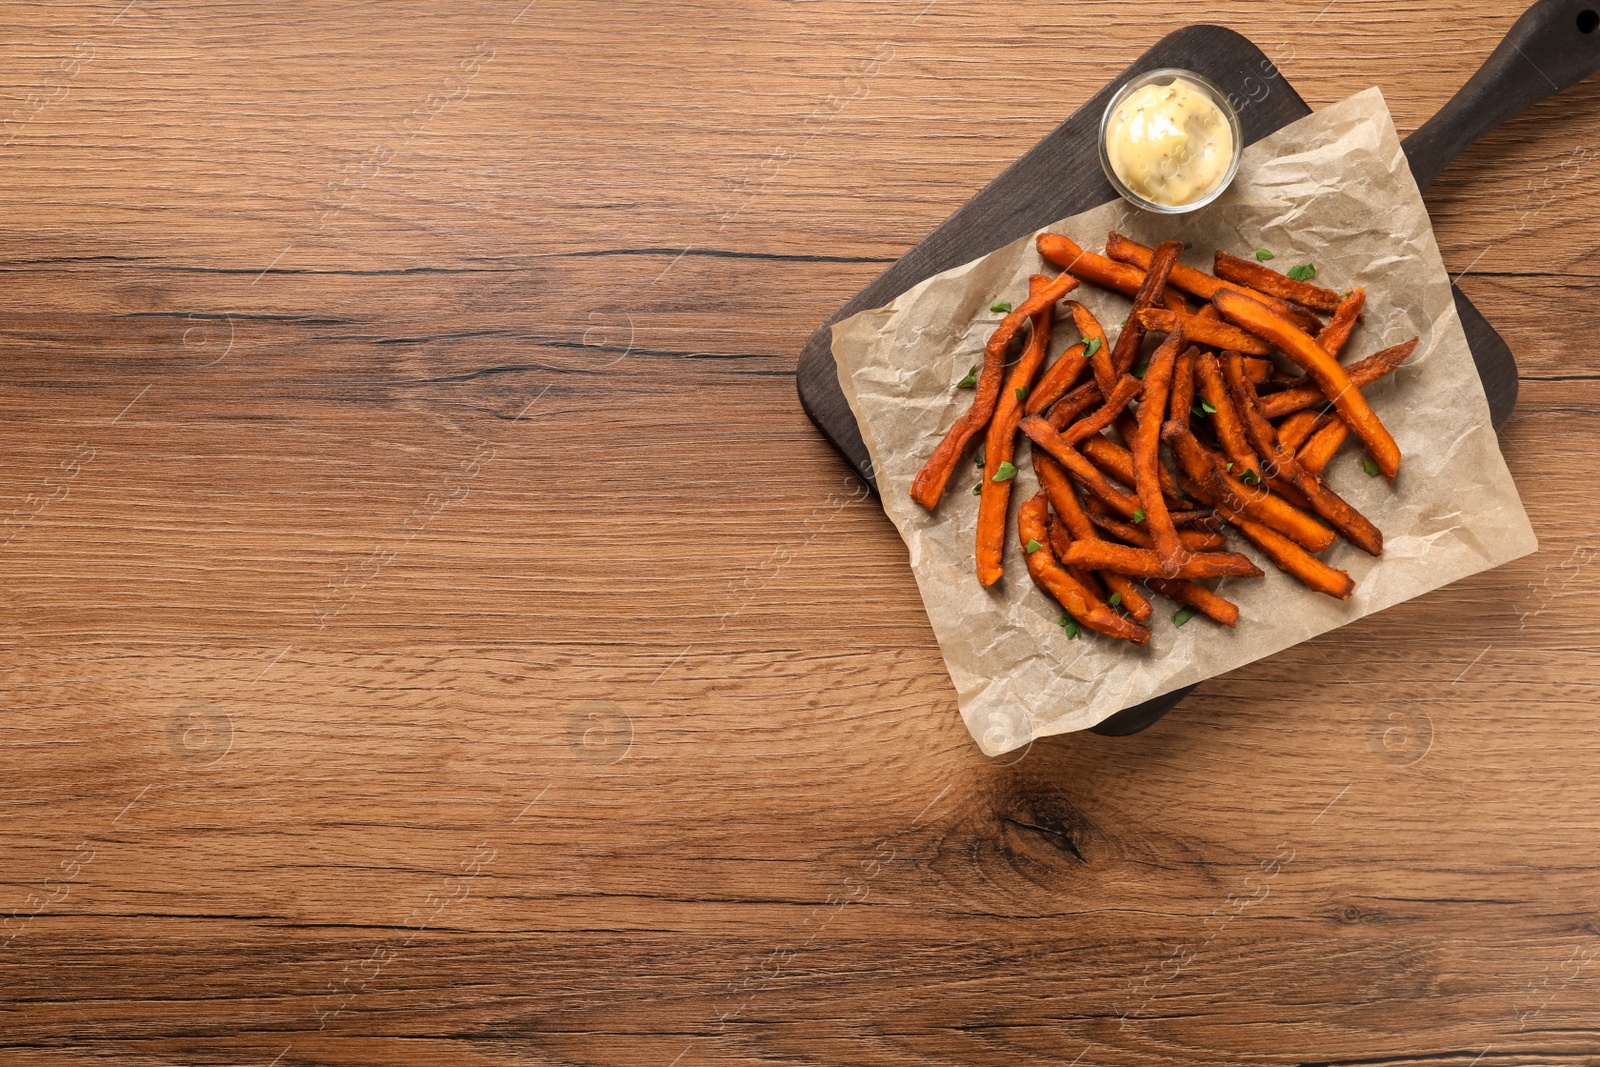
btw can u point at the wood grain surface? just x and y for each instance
(434, 634)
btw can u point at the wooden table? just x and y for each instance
(435, 635)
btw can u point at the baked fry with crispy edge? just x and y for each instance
(1000, 442)
(1053, 480)
(1199, 283)
(929, 484)
(1262, 277)
(1061, 376)
(1289, 557)
(1146, 449)
(1333, 336)
(1210, 333)
(1180, 397)
(1362, 374)
(1126, 389)
(1320, 448)
(1126, 352)
(1326, 371)
(1197, 596)
(1207, 469)
(1193, 540)
(1225, 421)
(1354, 526)
(1293, 431)
(1144, 563)
(1050, 576)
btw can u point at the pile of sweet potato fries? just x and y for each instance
(1248, 441)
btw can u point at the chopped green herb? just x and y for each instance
(977, 489)
(1091, 348)
(1032, 546)
(1262, 255)
(1070, 626)
(977, 461)
(1138, 515)
(1000, 307)
(1022, 393)
(971, 380)
(1006, 472)
(1116, 598)
(1302, 272)
(1183, 615)
(1208, 408)
(1198, 412)
(1250, 478)
(1370, 467)
(1230, 468)
(1138, 372)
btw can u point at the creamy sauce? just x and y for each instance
(1170, 143)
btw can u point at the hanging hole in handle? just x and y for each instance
(1588, 20)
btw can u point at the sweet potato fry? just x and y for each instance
(1087, 474)
(1056, 381)
(1362, 374)
(1181, 395)
(1288, 556)
(1293, 431)
(1095, 269)
(1089, 327)
(1053, 480)
(1333, 336)
(1322, 445)
(1224, 417)
(1146, 449)
(1053, 579)
(1070, 408)
(1263, 278)
(1208, 470)
(1193, 540)
(1060, 538)
(1144, 563)
(930, 482)
(1323, 368)
(1117, 461)
(1126, 425)
(1126, 389)
(1291, 558)
(1354, 526)
(1098, 347)
(1198, 597)
(1126, 351)
(1094, 337)
(1212, 334)
(1294, 560)
(1199, 283)
(1258, 369)
(999, 445)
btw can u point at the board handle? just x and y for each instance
(1554, 45)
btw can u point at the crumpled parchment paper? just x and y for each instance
(1332, 189)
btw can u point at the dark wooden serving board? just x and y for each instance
(1050, 183)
